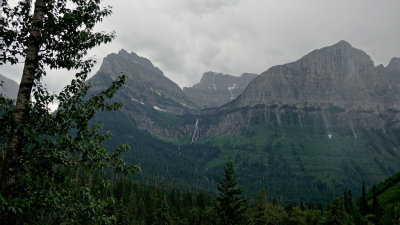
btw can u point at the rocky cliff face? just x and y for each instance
(216, 89)
(392, 72)
(337, 83)
(9, 88)
(338, 75)
(145, 83)
(150, 100)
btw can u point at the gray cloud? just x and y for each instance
(186, 38)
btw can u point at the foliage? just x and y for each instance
(264, 212)
(66, 32)
(387, 195)
(376, 209)
(142, 204)
(337, 213)
(64, 146)
(363, 201)
(47, 174)
(276, 152)
(260, 208)
(230, 207)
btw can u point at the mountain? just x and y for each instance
(338, 75)
(9, 88)
(216, 89)
(392, 71)
(145, 83)
(304, 130)
(150, 100)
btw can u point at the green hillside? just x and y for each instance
(388, 193)
(292, 160)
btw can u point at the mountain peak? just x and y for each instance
(216, 89)
(145, 83)
(123, 51)
(394, 61)
(338, 75)
(343, 44)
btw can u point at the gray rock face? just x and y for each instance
(150, 100)
(9, 88)
(338, 75)
(145, 83)
(216, 89)
(392, 71)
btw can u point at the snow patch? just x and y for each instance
(230, 88)
(135, 100)
(159, 109)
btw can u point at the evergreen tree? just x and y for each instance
(231, 208)
(376, 210)
(350, 209)
(260, 208)
(163, 215)
(348, 202)
(363, 201)
(337, 213)
(396, 214)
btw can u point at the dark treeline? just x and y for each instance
(140, 204)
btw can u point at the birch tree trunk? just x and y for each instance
(12, 162)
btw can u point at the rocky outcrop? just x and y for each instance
(392, 71)
(145, 83)
(217, 89)
(9, 88)
(150, 100)
(338, 75)
(338, 84)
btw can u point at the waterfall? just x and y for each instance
(196, 130)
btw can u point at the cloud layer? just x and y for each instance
(187, 38)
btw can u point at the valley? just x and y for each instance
(303, 131)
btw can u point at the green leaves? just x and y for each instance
(62, 147)
(55, 155)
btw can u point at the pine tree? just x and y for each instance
(376, 210)
(348, 202)
(231, 208)
(363, 201)
(396, 214)
(163, 215)
(337, 213)
(350, 209)
(260, 208)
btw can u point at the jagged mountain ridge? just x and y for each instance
(217, 89)
(338, 75)
(9, 88)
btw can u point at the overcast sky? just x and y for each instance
(186, 38)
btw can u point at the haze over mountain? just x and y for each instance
(216, 89)
(9, 88)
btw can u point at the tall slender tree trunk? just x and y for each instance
(12, 162)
